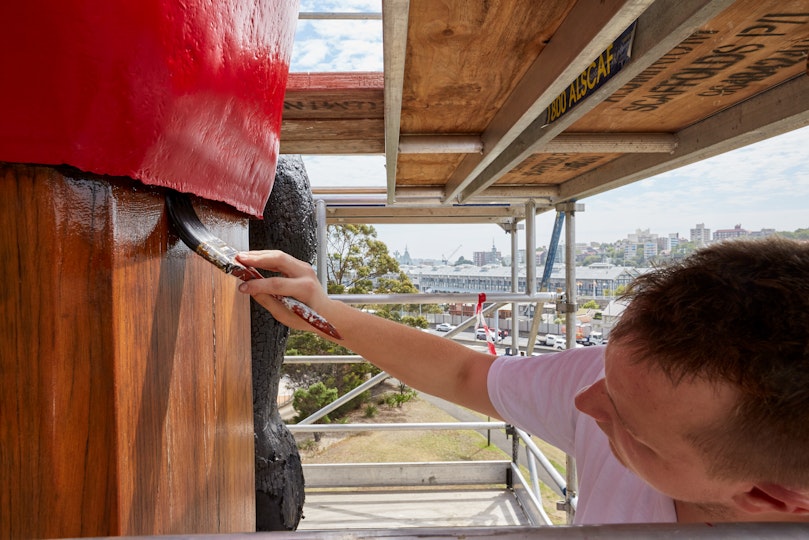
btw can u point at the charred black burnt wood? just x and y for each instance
(289, 225)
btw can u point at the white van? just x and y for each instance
(595, 338)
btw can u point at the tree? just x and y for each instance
(313, 399)
(590, 304)
(360, 264)
(797, 234)
(357, 260)
(682, 250)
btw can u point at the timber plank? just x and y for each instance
(465, 58)
(554, 168)
(125, 365)
(334, 95)
(58, 398)
(752, 46)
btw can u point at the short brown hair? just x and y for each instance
(736, 312)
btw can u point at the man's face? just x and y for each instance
(647, 420)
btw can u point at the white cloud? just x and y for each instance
(371, 6)
(353, 171)
(330, 45)
(765, 185)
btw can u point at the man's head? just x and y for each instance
(732, 321)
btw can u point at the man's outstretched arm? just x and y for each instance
(432, 364)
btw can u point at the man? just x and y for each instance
(697, 410)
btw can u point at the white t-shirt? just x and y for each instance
(535, 393)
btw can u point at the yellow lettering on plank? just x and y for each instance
(602, 67)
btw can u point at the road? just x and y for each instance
(467, 337)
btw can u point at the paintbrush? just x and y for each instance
(213, 249)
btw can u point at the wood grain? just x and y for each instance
(127, 406)
(465, 58)
(752, 46)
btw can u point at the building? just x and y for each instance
(674, 241)
(597, 280)
(483, 258)
(728, 234)
(763, 233)
(404, 258)
(700, 236)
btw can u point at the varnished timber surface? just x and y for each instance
(126, 406)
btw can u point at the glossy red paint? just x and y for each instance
(186, 94)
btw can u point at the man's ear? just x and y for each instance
(766, 498)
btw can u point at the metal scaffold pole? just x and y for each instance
(570, 308)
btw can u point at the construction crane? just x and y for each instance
(454, 251)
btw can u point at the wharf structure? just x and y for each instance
(599, 280)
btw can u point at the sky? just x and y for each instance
(765, 185)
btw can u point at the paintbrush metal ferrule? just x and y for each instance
(216, 251)
(224, 257)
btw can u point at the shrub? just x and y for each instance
(306, 401)
(371, 410)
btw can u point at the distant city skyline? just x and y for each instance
(453, 256)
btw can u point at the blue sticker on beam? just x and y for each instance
(602, 69)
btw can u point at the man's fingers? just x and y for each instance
(275, 261)
(271, 285)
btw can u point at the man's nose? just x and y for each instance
(593, 401)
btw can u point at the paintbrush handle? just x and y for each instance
(246, 273)
(309, 315)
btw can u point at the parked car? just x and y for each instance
(480, 333)
(562, 345)
(444, 327)
(551, 339)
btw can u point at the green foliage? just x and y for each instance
(371, 410)
(357, 259)
(416, 321)
(309, 400)
(397, 399)
(590, 304)
(682, 250)
(797, 234)
(303, 343)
